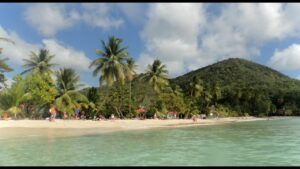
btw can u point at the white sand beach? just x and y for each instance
(119, 124)
(65, 128)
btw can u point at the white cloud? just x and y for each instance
(143, 61)
(171, 35)
(242, 29)
(18, 51)
(192, 35)
(9, 81)
(286, 59)
(135, 12)
(65, 56)
(49, 18)
(97, 14)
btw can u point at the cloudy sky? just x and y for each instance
(184, 36)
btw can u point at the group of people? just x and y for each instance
(77, 114)
(80, 115)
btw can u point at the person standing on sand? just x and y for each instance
(77, 113)
(65, 115)
(112, 116)
(52, 111)
(194, 118)
(155, 116)
(82, 116)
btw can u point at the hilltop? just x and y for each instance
(240, 73)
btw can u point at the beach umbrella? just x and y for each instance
(171, 113)
(140, 110)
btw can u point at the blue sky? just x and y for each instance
(184, 36)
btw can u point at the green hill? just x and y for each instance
(240, 73)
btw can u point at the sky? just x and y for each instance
(184, 36)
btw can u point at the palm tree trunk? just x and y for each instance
(118, 112)
(105, 97)
(120, 107)
(130, 97)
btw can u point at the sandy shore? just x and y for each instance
(65, 128)
(118, 124)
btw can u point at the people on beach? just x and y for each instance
(155, 116)
(82, 116)
(112, 117)
(77, 113)
(194, 118)
(52, 112)
(65, 116)
(5, 116)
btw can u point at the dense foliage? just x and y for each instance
(233, 87)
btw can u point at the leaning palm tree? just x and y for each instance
(157, 75)
(130, 72)
(39, 62)
(69, 98)
(112, 62)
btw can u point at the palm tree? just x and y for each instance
(112, 62)
(39, 62)
(157, 75)
(216, 93)
(3, 66)
(69, 98)
(195, 87)
(206, 96)
(177, 90)
(130, 72)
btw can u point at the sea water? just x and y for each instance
(256, 143)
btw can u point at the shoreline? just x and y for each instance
(70, 128)
(124, 124)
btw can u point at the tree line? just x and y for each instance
(121, 90)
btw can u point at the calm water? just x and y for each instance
(273, 142)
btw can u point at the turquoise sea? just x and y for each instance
(256, 143)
